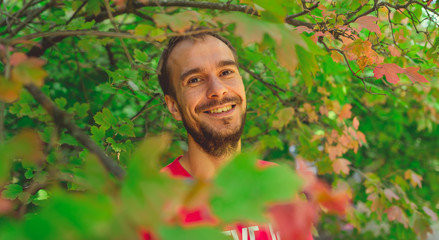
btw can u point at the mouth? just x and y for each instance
(219, 110)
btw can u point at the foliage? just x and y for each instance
(348, 88)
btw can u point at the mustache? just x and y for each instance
(212, 103)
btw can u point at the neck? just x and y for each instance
(202, 165)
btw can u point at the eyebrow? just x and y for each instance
(222, 63)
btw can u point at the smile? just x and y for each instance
(220, 109)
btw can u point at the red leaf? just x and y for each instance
(390, 70)
(341, 165)
(412, 73)
(368, 22)
(394, 51)
(294, 220)
(17, 58)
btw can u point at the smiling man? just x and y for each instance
(203, 88)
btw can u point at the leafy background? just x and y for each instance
(347, 88)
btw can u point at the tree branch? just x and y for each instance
(48, 42)
(62, 120)
(306, 11)
(29, 19)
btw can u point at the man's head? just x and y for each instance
(203, 88)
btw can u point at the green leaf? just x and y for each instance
(126, 130)
(141, 56)
(105, 119)
(93, 7)
(244, 190)
(12, 191)
(98, 134)
(29, 173)
(143, 29)
(81, 109)
(180, 233)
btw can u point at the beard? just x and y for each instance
(213, 142)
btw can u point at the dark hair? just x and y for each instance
(163, 70)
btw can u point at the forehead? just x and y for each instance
(198, 53)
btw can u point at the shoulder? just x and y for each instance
(174, 169)
(264, 164)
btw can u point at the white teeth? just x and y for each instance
(220, 110)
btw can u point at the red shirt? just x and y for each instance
(202, 215)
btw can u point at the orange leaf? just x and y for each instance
(31, 146)
(336, 56)
(30, 71)
(414, 178)
(390, 70)
(341, 165)
(333, 201)
(361, 137)
(5, 206)
(368, 22)
(284, 116)
(345, 112)
(412, 73)
(178, 22)
(364, 61)
(355, 123)
(394, 51)
(9, 90)
(357, 48)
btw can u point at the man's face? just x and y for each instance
(210, 95)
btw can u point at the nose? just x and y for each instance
(217, 88)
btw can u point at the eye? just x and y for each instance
(194, 80)
(225, 73)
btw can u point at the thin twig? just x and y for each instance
(125, 49)
(76, 12)
(305, 11)
(29, 19)
(144, 108)
(103, 34)
(273, 88)
(391, 27)
(350, 68)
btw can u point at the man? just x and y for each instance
(203, 88)
(200, 78)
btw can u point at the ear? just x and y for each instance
(171, 103)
